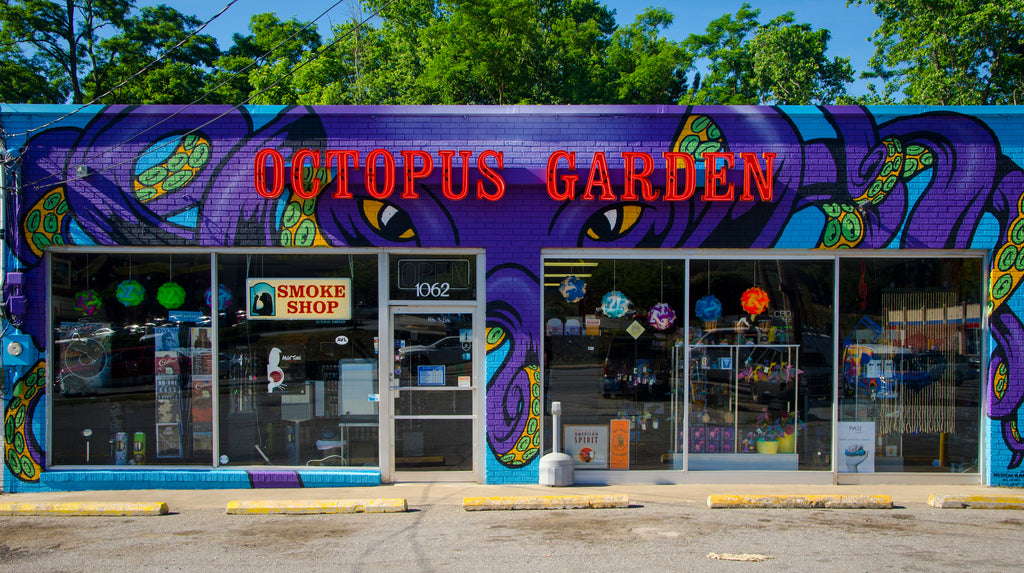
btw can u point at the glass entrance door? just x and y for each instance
(433, 388)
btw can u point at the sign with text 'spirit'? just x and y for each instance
(299, 299)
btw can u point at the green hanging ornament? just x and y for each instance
(170, 295)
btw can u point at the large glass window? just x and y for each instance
(610, 329)
(760, 365)
(136, 355)
(618, 358)
(911, 376)
(132, 378)
(298, 391)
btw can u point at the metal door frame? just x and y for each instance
(390, 389)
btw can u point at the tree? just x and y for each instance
(575, 35)
(949, 52)
(262, 60)
(647, 68)
(790, 66)
(730, 72)
(65, 35)
(181, 75)
(483, 52)
(23, 79)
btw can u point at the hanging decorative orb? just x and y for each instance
(572, 288)
(130, 293)
(614, 304)
(754, 300)
(88, 302)
(661, 316)
(709, 308)
(170, 295)
(224, 297)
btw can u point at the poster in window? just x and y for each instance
(168, 440)
(856, 447)
(587, 446)
(618, 445)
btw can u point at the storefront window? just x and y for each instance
(298, 383)
(640, 392)
(911, 376)
(132, 382)
(760, 365)
(610, 330)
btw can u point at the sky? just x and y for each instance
(850, 26)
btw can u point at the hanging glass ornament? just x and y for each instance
(170, 295)
(661, 316)
(614, 304)
(224, 297)
(130, 293)
(754, 300)
(88, 302)
(572, 288)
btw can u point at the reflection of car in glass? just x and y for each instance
(882, 370)
(447, 350)
(939, 364)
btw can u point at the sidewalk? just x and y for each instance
(423, 494)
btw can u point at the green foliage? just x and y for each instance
(64, 36)
(948, 52)
(646, 68)
(181, 76)
(790, 66)
(778, 62)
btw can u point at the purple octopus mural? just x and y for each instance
(919, 179)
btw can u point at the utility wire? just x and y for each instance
(166, 52)
(315, 55)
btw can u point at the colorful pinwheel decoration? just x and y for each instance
(614, 304)
(661, 316)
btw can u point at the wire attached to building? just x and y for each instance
(315, 55)
(145, 68)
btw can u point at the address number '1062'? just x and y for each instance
(432, 290)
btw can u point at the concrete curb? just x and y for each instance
(92, 509)
(546, 502)
(316, 506)
(800, 501)
(976, 501)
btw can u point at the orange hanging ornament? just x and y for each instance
(754, 300)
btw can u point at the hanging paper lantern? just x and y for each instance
(572, 288)
(754, 300)
(709, 308)
(224, 297)
(130, 293)
(170, 295)
(614, 304)
(661, 316)
(88, 302)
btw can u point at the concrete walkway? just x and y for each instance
(422, 494)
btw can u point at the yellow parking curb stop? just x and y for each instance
(316, 506)
(91, 509)
(976, 501)
(545, 502)
(800, 501)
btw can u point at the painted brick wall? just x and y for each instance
(946, 178)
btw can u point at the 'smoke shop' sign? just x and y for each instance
(299, 299)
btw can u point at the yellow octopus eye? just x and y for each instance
(388, 220)
(612, 223)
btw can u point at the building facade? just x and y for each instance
(210, 297)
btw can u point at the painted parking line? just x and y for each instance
(316, 506)
(545, 502)
(800, 501)
(976, 501)
(91, 509)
